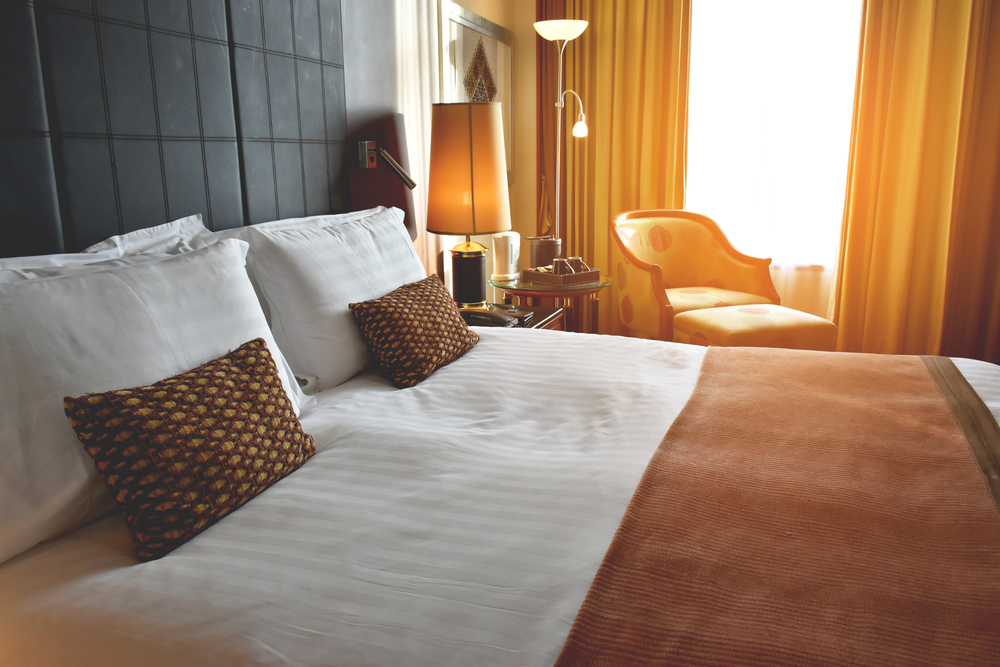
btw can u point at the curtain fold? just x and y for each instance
(418, 87)
(972, 296)
(917, 270)
(630, 67)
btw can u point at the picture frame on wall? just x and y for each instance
(477, 64)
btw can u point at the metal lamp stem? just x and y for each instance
(560, 105)
(559, 137)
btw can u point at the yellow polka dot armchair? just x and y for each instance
(671, 261)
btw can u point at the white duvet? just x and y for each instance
(459, 522)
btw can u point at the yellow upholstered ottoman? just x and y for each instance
(755, 326)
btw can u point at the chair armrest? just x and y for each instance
(743, 273)
(643, 305)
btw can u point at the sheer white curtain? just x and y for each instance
(418, 72)
(770, 107)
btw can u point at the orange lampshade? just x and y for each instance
(467, 185)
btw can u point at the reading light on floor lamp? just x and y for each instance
(561, 30)
(467, 189)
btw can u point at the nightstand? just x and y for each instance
(538, 317)
(574, 298)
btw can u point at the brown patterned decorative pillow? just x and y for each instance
(414, 330)
(181, 454)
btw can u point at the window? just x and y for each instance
(771, 101)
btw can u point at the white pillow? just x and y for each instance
(98, 262)
(308, 276)
(301, 400)
(171, 237)
(243, 233)
(58, 260)
(185, 235)
(94, 332)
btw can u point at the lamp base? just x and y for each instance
(468, 274)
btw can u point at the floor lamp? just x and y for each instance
(562, 30)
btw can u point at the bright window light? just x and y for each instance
(769, 123)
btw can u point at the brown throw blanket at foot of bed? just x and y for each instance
(804, 509)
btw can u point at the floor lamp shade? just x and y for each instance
(467, 185)
(559, 29)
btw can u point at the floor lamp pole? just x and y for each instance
(562, 31)
(559, 115)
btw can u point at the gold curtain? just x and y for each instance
(920, 247)
(630, 67)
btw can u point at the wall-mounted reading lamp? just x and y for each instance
(371, 184)
(367, 153)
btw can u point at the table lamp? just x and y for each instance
(560, 30)
(467, 189)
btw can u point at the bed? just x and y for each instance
(458, 521)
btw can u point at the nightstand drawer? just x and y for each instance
(546, 318)
(542, 317)
(519, 317)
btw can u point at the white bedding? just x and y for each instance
(459, 522)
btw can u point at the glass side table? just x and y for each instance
(575, 299)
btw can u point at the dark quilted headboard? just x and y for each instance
(122, 114)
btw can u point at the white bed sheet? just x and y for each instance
(431, 528)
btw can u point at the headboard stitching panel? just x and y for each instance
(160, 109)
(289, 78)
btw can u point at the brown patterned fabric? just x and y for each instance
(413, 331)
(181, 454)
